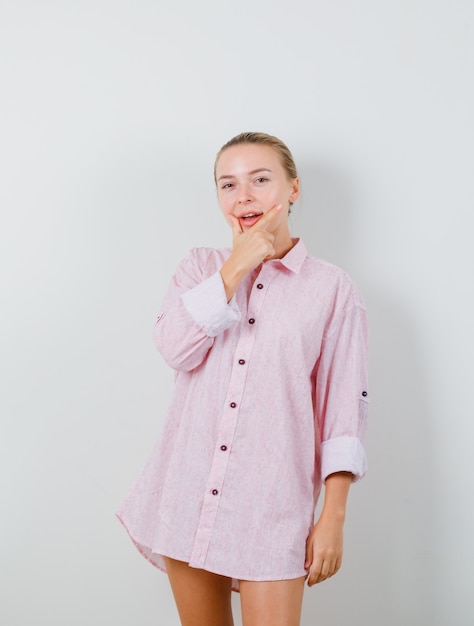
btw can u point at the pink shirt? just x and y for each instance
(270, 398)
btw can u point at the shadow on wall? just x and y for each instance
(389, 571)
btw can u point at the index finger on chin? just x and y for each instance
(267, 219)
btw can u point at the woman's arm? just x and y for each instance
(324, 545)
(194, 312)
(341, 401)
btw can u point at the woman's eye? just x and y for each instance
(226, 185)
(261, 179)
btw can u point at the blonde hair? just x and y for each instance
(263, 139)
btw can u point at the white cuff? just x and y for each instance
(343, 454)
(207, 304)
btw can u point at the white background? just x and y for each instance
(111, 114)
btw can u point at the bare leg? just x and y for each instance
(202, 598)
(273, 603)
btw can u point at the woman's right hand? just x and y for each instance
(249, 249)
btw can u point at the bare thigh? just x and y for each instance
(201, 597)
(273, 603)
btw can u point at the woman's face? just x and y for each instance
(250, 181)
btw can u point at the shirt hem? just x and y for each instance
(156, 559)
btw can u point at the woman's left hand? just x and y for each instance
(324, 548)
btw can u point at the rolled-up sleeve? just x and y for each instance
(208, 306)
(341, 402)
(193, 313)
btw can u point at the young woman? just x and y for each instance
(270, 349)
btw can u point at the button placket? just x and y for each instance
(221, 457)
(230, 416)
(257, 293)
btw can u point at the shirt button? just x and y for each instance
(223, 448)
(214, 492)
(232, 405)
(241, 362)
(364, 393)
(259, 286)
(251, 321)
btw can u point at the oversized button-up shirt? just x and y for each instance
(270, 398)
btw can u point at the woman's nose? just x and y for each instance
(244, 195)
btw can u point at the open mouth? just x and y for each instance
(250, 217)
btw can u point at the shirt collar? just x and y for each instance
(294, 258)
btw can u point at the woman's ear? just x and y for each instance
(295, 190)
